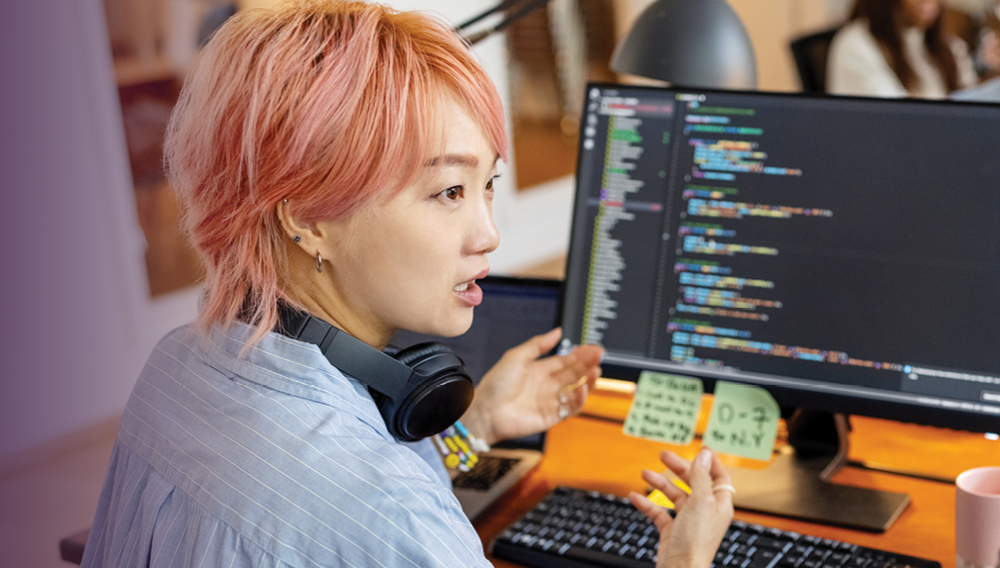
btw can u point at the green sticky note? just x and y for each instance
(665, 408)
(743, 421)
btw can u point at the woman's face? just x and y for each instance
(411, 262)
(920, 13)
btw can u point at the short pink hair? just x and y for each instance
(331, 105)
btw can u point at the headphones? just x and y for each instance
(419, 390)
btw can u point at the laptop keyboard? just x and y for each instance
(573, 528)
(485, 474)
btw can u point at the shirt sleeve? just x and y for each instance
(426, 450)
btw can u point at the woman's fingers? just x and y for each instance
(718, 471)
(659, 515)
(676, 464)
(705, 475)
(720, 478)
(699, 474)
(659, 481)
(582, 365)
(538, 345)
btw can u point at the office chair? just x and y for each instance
(71, 547)
(810, 53)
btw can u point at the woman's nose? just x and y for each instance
(485, 236)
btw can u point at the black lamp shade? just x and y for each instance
(691, 43)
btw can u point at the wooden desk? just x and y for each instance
(592, 453)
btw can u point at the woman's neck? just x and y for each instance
(317, 294)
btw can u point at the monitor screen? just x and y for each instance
(842, 252)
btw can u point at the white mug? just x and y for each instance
(977, 518)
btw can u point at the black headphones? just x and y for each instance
(419, 390)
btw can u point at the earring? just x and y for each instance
(319, 263)
(297, 238)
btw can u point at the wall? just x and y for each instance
(78, 324)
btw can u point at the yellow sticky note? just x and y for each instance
(743, 421)
(665, 408)
(661, 499)
(658, 498)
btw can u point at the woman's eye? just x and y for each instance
(453, 193)
(493, 180)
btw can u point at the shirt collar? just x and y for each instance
(289, 366)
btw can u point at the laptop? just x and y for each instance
(513, 310)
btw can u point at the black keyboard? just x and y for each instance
(485, 474)
(573, 528)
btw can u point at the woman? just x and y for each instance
(336, 160)
(897, 48)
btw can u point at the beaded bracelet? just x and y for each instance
(459, 447)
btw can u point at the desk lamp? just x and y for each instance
(691, 43)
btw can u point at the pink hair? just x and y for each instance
(328, 104)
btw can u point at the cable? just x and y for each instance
(517, 14)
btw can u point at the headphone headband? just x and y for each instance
(353, 356)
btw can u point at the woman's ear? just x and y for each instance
(309, 238)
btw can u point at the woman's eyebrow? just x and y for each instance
(467, 160)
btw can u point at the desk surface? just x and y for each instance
(591, 452)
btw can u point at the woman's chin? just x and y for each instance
(452, 327)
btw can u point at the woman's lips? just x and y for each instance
(470, 293)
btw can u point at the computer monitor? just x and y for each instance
(841, 252)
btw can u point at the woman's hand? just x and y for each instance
(691, 539)
(523, 395)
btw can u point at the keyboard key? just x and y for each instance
(593, 557)
(790, 561)
(764, 559)
(768, 543)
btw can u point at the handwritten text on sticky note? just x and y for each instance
(743, 421)
(665, 408)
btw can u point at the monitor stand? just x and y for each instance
(797, 483)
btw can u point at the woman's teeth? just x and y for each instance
(462, 287)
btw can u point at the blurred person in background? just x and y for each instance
(898, 48)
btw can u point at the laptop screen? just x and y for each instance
(513, 310)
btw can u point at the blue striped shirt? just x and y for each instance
(272, 458)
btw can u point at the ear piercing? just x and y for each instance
(319, 263)
(297, 238)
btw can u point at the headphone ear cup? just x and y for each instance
(437, 394)
(413, 355)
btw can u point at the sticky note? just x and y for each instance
(743, 421)
(665, 408)
(658, 498)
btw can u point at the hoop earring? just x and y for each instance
(319, 263)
